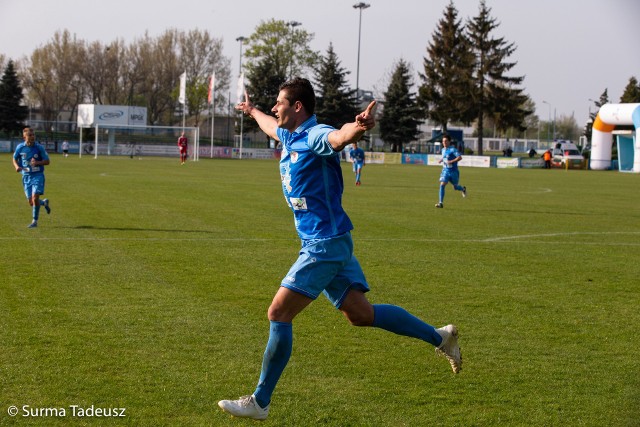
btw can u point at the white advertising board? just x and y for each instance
(117, 115)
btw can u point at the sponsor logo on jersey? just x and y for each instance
(286, 181)
(298, 203)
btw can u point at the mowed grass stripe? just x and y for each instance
(147, 288)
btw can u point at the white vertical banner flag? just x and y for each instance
(240, 90)
(183, 88)
(212, 85)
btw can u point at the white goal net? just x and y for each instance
(140, 141)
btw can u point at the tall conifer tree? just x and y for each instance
(494, 92)
(400, 118)
(335, 102)
(631, 94)
(12, 113)
(447, 89)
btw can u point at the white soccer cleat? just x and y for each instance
(245, 407)
(464, 191)
(449, 347)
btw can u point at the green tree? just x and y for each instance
(274, 51)
(446, 94)
(400, 118)
(531, 121)
(631, 94)
(335, 102)
(264, 81)
(3, 61)
(567, 128)
(494, 91)
(12, 113)
(201, 55)
(53, 76)
(604, 99)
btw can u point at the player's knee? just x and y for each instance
(359, 317)
(360, 320)
(279, 313)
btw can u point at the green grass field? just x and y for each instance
(147, 289)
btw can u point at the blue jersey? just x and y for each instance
(24, 154)
(357, 154)
(450, 153)
(312, 181)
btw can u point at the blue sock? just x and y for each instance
(36, 211)
(458, 187)
(358, 177)
(275, 358)
(399, 321)
(441, 194)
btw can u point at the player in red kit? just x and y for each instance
(183, 144)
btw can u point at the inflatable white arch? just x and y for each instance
(607, 118)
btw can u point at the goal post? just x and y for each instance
(142, 140)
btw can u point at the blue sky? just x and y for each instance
(568, 50)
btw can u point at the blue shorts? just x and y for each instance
(33, 184)
(326, 266)
(450, 175)
(357, 165)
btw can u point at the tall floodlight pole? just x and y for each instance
(360, 6)
(241, 40)
(212, 91)
(549, 122)
(292, 24)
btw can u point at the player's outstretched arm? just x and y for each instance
(267, 123)
(17, 166)
(352, 132)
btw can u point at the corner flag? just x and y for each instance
(211, 88)
(240, 89)
(183, 88)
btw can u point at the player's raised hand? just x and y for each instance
(246, 106)
(366, 119)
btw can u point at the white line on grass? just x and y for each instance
(524, 238)
(575, 233)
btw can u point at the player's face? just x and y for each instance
(446, 142)
(285, 113)
(29, 137)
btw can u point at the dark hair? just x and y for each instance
(299, 89)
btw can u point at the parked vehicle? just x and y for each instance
(567, 155)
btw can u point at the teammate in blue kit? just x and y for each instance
(357, 158)
(312, 184)
(450, 172)
(30, 158)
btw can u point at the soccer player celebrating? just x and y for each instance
(450, 172)
(312, 184)
(357, 158)
(183, 145)
(30, 158)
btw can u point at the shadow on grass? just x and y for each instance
(162, 230)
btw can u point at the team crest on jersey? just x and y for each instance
(298, 203)
(294, 156)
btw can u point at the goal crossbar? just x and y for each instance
(140, 140)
